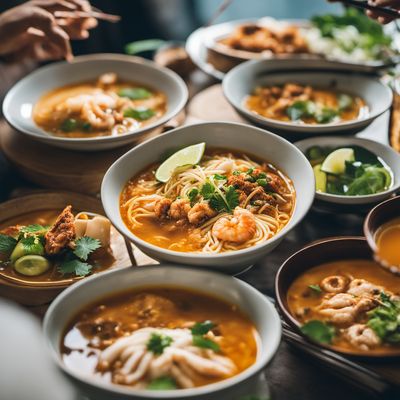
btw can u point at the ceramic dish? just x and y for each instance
(249, 300)
(20, 100)
(385, 153)
(200, 45)
(243, 79)
(38, 292)
(318, 253)
(376, 218)
(254, 141)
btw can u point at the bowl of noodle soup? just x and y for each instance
(236, 204)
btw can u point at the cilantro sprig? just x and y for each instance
(199, 330)
(158, 342)
(224, 198)
(74, 262)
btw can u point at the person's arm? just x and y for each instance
(32, 30)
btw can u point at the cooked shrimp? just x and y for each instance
(361, 287)
(335, 284)
(96, 116)
(238, 229)
(360, 335)
(200, 212)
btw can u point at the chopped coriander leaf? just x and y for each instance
(135, 93)
(207, 190)
(205, 343)
(249, 171)
(163, 383)
(315, 288)
(301, 109)
(232, 197)
(344, 101)
(75, 267)
(69, 125)
(86, 245)
(236, 173)
(158, 342)
(7, 244)
(32, 245)
(262, 182)
(220, 177)
(326, 115)
(319, 331)
(86, 126)
(139, 114)
(201, 328)
(385, 319)
(35, 229)
(192, 196)
(217, 203)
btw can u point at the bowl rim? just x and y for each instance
(366, 226)
(125, 231)
(62, 283)
(295, 323)
(238, 70)
(353, 141)
(263, 358)
(93, 57)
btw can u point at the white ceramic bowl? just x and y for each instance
(232, 290)
(19, 101)
(258, 142)
(243, 79)
(386, 153)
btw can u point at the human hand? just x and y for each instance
(381, 17)
(34, 30)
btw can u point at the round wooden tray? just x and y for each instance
(54, 168)
(38, 295)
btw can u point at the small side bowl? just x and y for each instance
(252, 302)
(39, 293)
(317, 253)
(243, 79)
(386, 153)
(20, 100)
(240, 137)
(379, 215)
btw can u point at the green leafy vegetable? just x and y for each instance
(205, 343)
(158, 342)
(34, 229)
(139, 114)
(32, 245)
(86, 126)
(385, 319)
(315, 288)
(319, 331)
(301, 109)
(326, 115)
(192, 196)
(202, 328)
(7, 244)
(75, 267)
(220, 177)
(143, 45)
(207, 190)
(86, 245)
(135, 93)
(232, 198)
(163, 383)
(69, 125)
(373, 180)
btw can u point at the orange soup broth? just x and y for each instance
(388, 242)
(46, 116)
(300, 296)
(327, 98)
(172, 307)
(164, 233)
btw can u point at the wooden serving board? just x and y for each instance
(54, 168)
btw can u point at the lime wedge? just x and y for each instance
(320, 179)
(335, 163)
(190, 155)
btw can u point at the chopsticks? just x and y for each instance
(87, 14)
(390, 12)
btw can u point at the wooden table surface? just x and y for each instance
(291, 375)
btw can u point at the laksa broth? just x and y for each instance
(160, 338)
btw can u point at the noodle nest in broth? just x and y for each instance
(228, 201)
